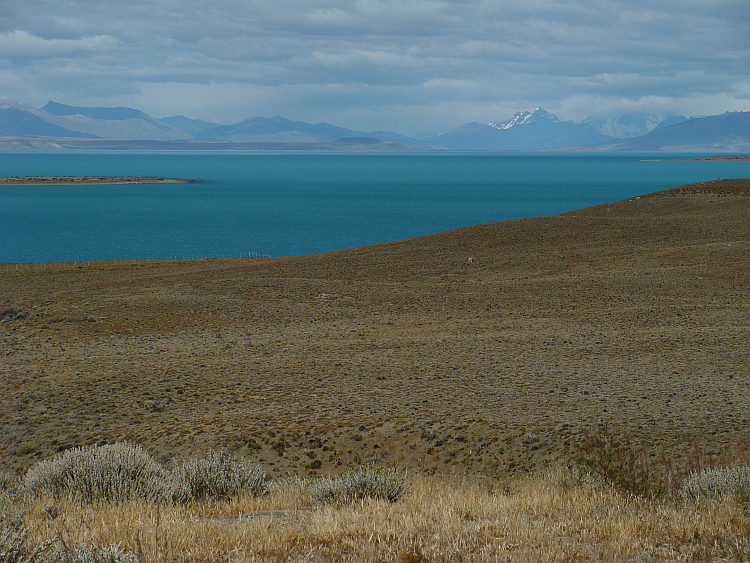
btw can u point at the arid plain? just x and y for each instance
(482, 351)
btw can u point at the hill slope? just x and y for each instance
(482, 350)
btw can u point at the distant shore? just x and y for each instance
(715, 158)
(75, 180)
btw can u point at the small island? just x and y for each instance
(75, 180)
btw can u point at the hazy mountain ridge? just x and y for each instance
(728, 132)
(124, 125)
(524, 131)
(19, 120)
(632, 124)
(60, 126)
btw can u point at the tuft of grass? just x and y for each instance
(8, 483)
(368, 481)
(17, 546)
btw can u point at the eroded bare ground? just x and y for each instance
(479, 350)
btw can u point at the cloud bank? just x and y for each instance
(407, 65)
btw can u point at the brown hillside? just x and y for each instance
(480, 350)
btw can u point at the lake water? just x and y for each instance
(276, 204)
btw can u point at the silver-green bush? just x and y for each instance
(90, 553)
(109, 473)
(720, 481)
(217, 476)
(9, 485)
(15, 545)
(354, 485)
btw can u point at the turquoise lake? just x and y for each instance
(278, 204)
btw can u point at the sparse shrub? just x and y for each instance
(218, 476)
(354, 485)
(622, 464)
(25, 448)
(109, 473)
(731, 481)
(90, 553)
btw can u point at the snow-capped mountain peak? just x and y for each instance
(525, 118)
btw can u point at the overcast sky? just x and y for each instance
(411, 66)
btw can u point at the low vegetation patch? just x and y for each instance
(109, 473)
(632, 467)
(535, 518)
(717, 482)
(218, 477)
(367, 482)
(367, 513)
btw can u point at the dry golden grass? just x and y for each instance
(555, 517)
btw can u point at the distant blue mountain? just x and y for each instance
(106, 123)
(114, 114)
(728, 132)
(669, 121)
(524, 131)
(632, 124)
(278, 129)
(17, 122)
(193, 127)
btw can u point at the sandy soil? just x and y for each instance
(481, 350)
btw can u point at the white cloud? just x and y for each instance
(23, 45)
(423, 64)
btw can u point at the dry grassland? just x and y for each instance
(488, 351)
(550, 518)
(481, 350)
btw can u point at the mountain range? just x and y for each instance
(524, 131)
(61, 126)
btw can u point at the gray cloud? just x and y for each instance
(409, 65)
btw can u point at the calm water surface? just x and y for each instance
(299, 203)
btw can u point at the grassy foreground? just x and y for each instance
(559, 516)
